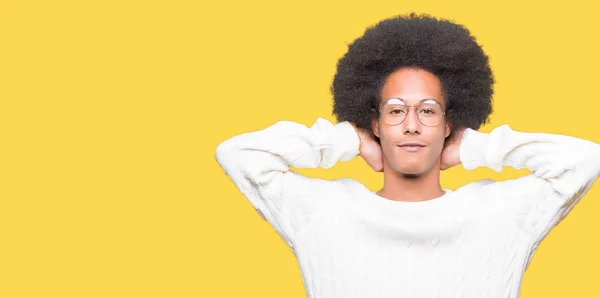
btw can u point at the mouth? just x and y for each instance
(412, 147)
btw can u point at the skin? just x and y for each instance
(411, 176)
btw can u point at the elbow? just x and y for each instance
(591, 157)
(223, 152)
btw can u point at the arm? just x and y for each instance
(563, 170)
(258, 164)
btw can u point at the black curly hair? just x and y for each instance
(421, 41)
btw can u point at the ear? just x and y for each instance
(375, 123)
(448, 128)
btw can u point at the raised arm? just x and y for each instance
(563, 169)
(259, 163)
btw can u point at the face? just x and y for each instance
(413, 86)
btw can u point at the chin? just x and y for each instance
(409, 165)
(410, 171)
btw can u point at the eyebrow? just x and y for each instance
(422, 100)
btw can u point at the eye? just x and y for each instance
(397, 111)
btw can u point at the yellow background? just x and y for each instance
(111, 112)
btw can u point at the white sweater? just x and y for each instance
(472, 242)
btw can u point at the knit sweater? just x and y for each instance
(475, 241)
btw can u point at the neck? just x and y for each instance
(411, 188)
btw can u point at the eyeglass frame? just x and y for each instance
(416, 109)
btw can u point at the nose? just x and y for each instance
(411, 123)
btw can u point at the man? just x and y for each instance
(409, 96)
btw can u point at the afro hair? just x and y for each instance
(439, 46)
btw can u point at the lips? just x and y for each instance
(411, 146)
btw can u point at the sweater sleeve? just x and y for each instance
(259, 163)
(563, 170)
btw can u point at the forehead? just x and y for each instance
(413, 86)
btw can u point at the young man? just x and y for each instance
(409, 96)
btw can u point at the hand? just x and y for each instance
(450, 153)
(369, 149)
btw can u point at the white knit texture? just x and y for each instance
(475, 241)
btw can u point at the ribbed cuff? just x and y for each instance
(472, 149)
(347, 139)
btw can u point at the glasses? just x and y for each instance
(395, 110)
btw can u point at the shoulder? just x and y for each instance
(476, 194)
(508, 195)
(526, 185)
(475, 186)
(351, 185)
